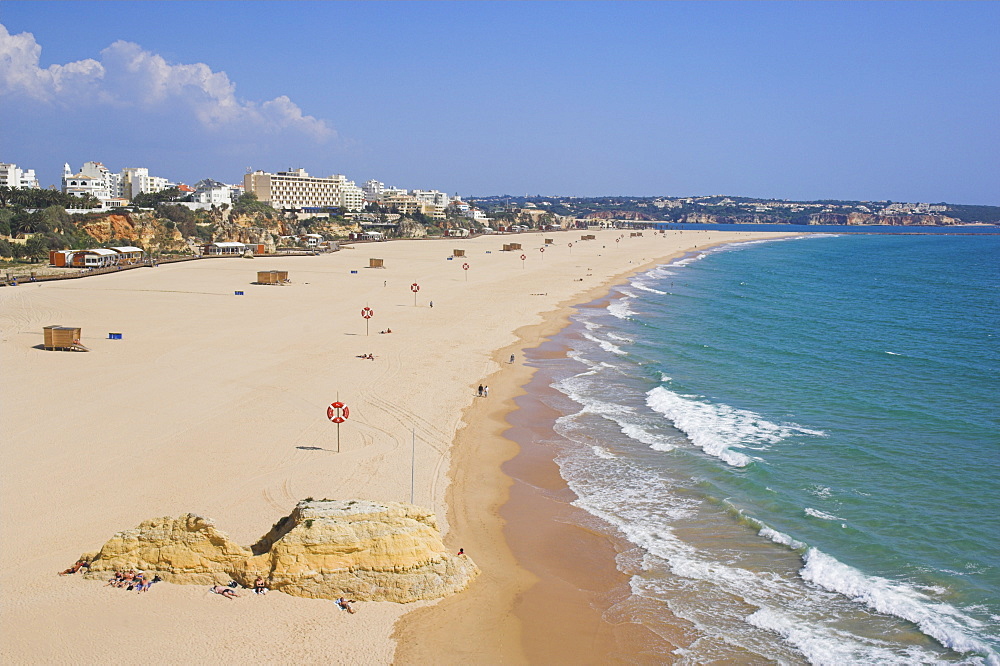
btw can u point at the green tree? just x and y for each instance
(153, 199)
(37, 248)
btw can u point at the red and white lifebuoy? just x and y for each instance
(337, 412)
(367, 313)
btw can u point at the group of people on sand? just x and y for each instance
(388, 330)
(133, 580)
(370, 357)
(229, 592)
(484, 391)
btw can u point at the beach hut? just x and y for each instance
(458, 253)
(272, 277)
(376, 263)
(635, 234)
(223, 248)
(128, 254)
(62, 337)
(549, 241)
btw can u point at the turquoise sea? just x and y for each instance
(799, 441)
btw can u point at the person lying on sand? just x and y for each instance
(259, 587)
(224, 591)
(346, 605)
(80, 564)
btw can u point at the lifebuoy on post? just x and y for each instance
(338, 412)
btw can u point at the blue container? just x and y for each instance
(114, 336)
(354, 272)
(238, 293)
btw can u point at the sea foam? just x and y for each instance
(717, 428)
(941, 621)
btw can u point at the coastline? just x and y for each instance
(509, 499)
(216, 405)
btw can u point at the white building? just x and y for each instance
(477, 215)
(136, 181)
(16, 178)
(296, 189)
(430, 196)
(373, 190)
(80, 184)
(212, 192)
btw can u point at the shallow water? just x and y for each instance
(800, 438)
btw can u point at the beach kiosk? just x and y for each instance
(272, 277)
(128, 255)
(549, 241)
(62, 338)
(376, 263)
(223, 249)
(99, 257)
(458, 253)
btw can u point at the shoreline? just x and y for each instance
(546, 607)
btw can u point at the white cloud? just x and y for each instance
(128, 76)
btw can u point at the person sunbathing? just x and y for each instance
(224, 591)
(80, 564)
(259, 587)
(346, 605)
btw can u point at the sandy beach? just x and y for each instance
(214, 404)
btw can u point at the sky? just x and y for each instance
(788, 100)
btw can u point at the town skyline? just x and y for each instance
(795, 102)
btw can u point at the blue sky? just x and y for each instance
(799, 100)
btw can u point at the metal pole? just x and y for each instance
(338, 438)
(413, 460)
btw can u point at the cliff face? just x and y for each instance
(143, 229)
(323, 549)
(893, 220)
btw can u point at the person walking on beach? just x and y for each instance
(480, 390)
(486, 391)
(511, 358)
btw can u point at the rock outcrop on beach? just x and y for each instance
(188, 549)
(369, 551)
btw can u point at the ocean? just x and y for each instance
(798, 442)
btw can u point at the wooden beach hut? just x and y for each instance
(272, 277)
(66, 338)
(458, 253)
(635, 234)
(549, 241)
(376, 263)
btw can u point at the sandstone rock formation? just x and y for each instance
(180, 550)
(324, 549)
